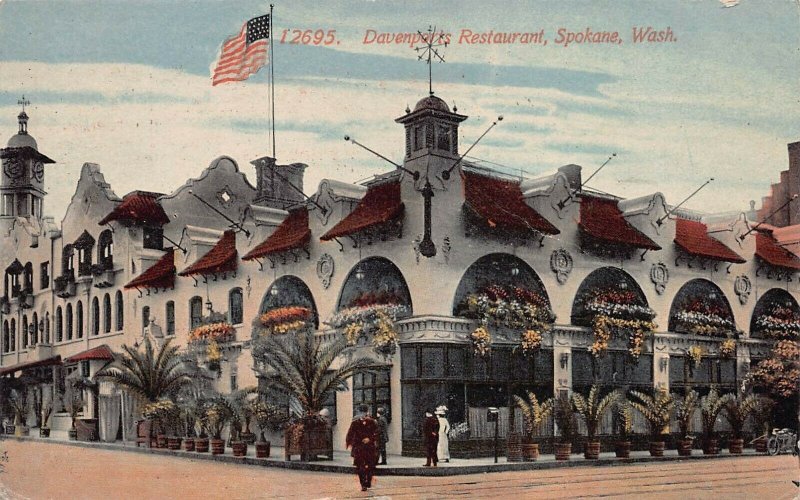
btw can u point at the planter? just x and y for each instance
(736, 446)
(174, 443)
(248, 437)
(73, 434)
(201, 445)
(530, 452)
(262, 449)
(217, 446)
(10, 429)
(591, 450)
(657, 448)
(161, 441)
(563, 451)
(239, 448)
(760, 445)
(22, 430)
(685, 447)
(44, 432)
(623, 449)
(514, 448)
(188, 444)
(711, 447)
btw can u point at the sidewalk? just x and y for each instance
(397, 465)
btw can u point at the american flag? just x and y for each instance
(243, 54)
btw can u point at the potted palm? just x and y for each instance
(656, 410)
(591, 409)
(73, 403)
(565, 420)
(762, 417)
(172, 419)
(623, 426)
(737, 408)
(20, 404)
(239, 402)
(201, 441)
(684, 411)
(47, 410)
(268, 418)
(534, 414)
(218, 413)
(710, 408)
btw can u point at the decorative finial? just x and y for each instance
(428, 50)
(24, 102)
(408, 110)
(455, 108)
(23, 117)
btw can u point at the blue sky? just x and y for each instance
(126, 84)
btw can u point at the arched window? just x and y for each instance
(6, 336)
(24, 330)
(67, 265)
(700, 308)
(79, 319)
(288, 291)
(59, 325)
(95, 316)
(235, 306)
(105, 250)
(170, 315)
(13, 340)
(84, 244)
(69, 321)
(145, 316)
(12, 282)
(35, 329)
(776, 316)
(107, 313)
(195, 312)
(27, 281)
(118, 305)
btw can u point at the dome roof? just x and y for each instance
(22, 140)
(432, 102)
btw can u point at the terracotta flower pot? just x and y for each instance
(736, 446)
(685, 447)
(514, 448)
(530, 452)
(262, 449)
(161, 441)
(188, 444)
(174, 443)
(591, 450)
(623, 449)
(711, 447)
(239, 448)
(657, 448)
(217, 446)
(563, 451)
(201, 445)
(760, 445)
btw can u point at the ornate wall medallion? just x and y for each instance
(659, 275)
(742, 286)
(561, 264)
(325, 269)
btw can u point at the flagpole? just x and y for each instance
(272, 79)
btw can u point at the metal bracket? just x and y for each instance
(260, 264)
(271, 262)
(195, 281)
(341, 246)
(139, 290)
(728, 269)
(641, 257)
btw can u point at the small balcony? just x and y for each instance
(103, 275)
(65, 285)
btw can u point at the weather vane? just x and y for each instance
(24, 102)
(429, 51)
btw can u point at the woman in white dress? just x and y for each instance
(443, 450)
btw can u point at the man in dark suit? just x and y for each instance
(383, 435)
(363, 438)
(430, 433)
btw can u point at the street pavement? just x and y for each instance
(40, 470)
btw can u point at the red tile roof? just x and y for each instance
(291, 234)
(138, 207)
(159, 275)
(55, 360)
(220, 259)
(602, 219)
(769, 250)
(379, 205)
(692, 237)
(499, 204)
(101, 353)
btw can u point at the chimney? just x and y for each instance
(573, 173)
(279, 186)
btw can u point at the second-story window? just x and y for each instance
(120, 311)
(105, 250)
(145, 317)
(27, 280)
(84, 245)
(235, 304)
(170, 315)
(106, 314)
(153, 238)
(95, 317)
(195, 312)
(67, 265)
(44, 275)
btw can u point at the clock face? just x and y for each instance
(38, 171)
(12, 167)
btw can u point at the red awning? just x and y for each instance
(293, 233)
(55, 360)
(768, 249)
(100, 353)
(692, 237)
(220, 259)
(138, 207)
(499, 204)
(159, 275)
(379, 205)
(602, 219)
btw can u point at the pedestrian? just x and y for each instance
(383, 435)
(430, 432)
(362, 437)
(443, 449)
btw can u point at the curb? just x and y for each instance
(383, 471)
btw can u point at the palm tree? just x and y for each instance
(592, 408)
(149, 374)
(737, 408)
(534, 413)
(300, 364)
(655, 409)
(710, 407)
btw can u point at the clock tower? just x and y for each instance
(22, 185)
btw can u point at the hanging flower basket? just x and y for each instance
(617, 312)
(699, 317)
(728, 348)
(377, 320)
(779, 323)
(481, 341)
(696, 354)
